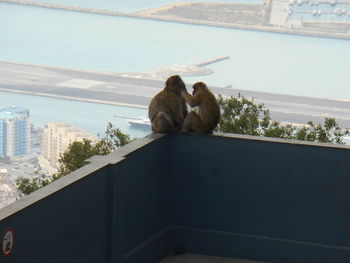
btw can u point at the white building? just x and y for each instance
(14, 131)
(55, 141)
(8, 191)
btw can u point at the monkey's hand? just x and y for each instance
(184, 89)
(184, 93)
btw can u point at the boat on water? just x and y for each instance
(140, 123)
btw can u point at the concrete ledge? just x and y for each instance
(94, 164)
(278, 140)
(97, 162)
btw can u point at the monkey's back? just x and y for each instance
(173, 110)
(209, 110)
(166, 102)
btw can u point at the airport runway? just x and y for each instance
(119, 89)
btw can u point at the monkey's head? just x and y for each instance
(175, 84)
(197, 86)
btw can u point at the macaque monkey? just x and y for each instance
(168, 108)
(209, 111)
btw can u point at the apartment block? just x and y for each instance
(56, 139)
(14, 131)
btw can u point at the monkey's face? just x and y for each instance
(175, 84)
(197, 86)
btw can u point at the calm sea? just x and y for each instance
(135, 5)
(259, 61)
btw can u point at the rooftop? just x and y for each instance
(13, 112)
(191, 198)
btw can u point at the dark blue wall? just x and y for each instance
(141, 206)
(270, 201)
(216, 195)
(71, 225)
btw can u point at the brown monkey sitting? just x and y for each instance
(209, 111)
(168, 108)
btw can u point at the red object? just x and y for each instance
(8, 241)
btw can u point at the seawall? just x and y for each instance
(211, 61)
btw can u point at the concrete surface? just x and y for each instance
(279, 13)
(190, 258)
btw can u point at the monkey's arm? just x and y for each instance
(184, 107)
(193, 101)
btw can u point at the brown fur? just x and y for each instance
(168, 108)
(209, 111)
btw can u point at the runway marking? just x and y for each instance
(25, 81)
(29, 73)
(79, 83)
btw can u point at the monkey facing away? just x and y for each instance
(168, 108)
(209, 110)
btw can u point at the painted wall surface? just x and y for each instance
(70, 225)
(142, 231)
(263, 200)
(232, 196)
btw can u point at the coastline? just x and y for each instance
(269, 29)
(55, 96)
(146, 15)
(114, 89)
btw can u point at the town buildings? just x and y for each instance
(8, 191)
(14, 131)
(55, 140)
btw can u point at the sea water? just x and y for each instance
(135, 5)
